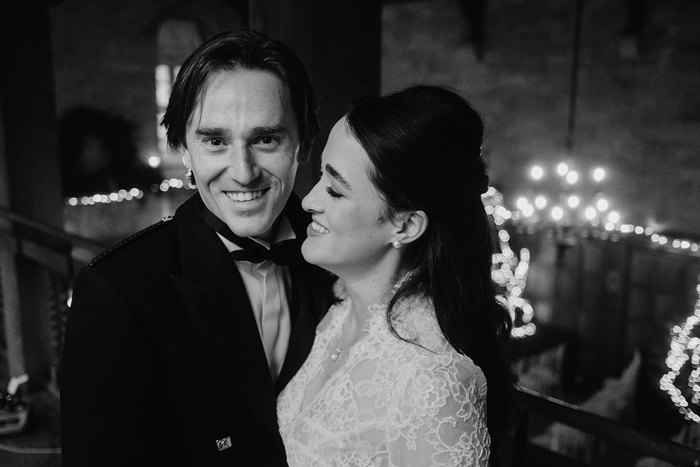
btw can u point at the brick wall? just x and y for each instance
(638, 117)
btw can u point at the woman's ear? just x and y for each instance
(410, 226)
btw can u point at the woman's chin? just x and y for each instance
(310, 253)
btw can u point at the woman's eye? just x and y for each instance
(332, 192)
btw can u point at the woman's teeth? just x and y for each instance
(244, 195)
(316, 227)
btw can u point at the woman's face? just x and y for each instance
(350, 232)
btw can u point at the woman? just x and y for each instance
(398, 372)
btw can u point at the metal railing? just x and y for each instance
(643, 443)
(49, 246)
(59, 255)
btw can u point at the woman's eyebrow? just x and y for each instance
(335, 174)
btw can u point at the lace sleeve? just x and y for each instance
(438, 416)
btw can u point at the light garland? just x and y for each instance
(611, 231)
(509, 271)
(125, 195)
(683, 349)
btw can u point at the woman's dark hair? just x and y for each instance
(424, 143)
(247, 50)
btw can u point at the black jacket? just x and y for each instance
(163, 358)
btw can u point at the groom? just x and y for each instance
(180, 338)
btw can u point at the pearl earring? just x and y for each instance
(397, 244)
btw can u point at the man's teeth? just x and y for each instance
(316, 227)
(244, 195)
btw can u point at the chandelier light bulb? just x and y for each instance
(528, 210)
(536, 172)
(557, 213)
(602, 204)
(590, 213)
(598, 174)
(562, 169)
(574, 201)
(540, 202)
(572, 177)
(614, 217)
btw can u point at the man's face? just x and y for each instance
(242, 145)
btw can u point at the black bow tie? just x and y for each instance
(284, 252)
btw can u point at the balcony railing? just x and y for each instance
(61, 254)
(58, 256)
(644, 444)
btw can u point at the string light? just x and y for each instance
(124, 194)
(509, 271)
(154, 161)
(684, 350)
(499, 213)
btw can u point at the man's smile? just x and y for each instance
(243, 196)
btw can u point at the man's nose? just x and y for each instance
(242, 166)
(312, 201)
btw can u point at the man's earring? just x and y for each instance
(189, 178)
(397, 244)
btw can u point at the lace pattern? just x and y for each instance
(390, 402)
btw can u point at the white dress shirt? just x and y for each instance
(267, 285)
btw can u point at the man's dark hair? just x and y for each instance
(248, 50)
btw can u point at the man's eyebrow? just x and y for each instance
(266, 130)
(335, 174)
(214, 131)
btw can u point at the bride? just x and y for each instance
(414, 351)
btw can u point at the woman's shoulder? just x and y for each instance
(415, 322)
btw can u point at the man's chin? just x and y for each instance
(250, 227)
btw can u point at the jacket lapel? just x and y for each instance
(305, 300)
(304, 325)
(213, 293)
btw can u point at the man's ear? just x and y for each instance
(410, 225)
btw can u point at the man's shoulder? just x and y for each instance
(155, 243)
(147, 242)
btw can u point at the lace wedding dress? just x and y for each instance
(384, 401)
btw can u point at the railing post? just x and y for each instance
(11, 315)
(57, 316)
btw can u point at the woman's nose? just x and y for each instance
(312, 201)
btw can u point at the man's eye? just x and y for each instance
(268, 140)
(214, 142)
(332, 192)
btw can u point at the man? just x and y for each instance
(180, 338)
